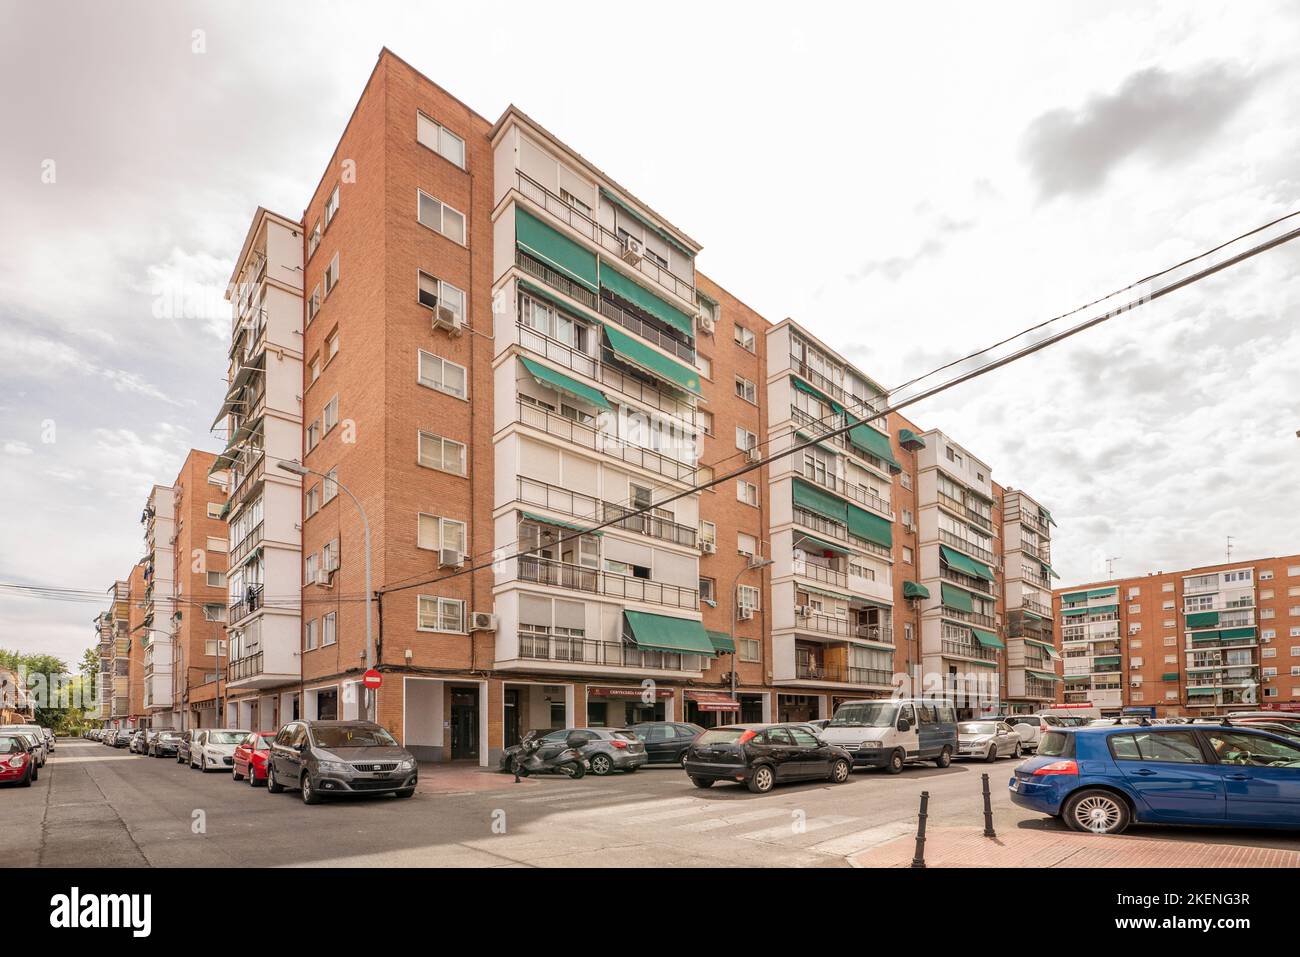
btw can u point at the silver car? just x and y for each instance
(988, 740)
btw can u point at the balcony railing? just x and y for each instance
(1037, 607)
(854, 493)
(562, 427)
(861, 407)
(245, 606)
(651, 333)
(968, 650)
(964, 511)
(820, 573)
(820, 524)
(1037, 688)
(584, 651)
(249, 666)
(814, 671)
(969, 582)
(820, 430)
(546, 571)
(580, 222)
(591, 509)
(969, 547)
(246, 546)
(971, 617)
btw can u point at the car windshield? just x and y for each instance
(259, 742)
(977, 727)
(169, 736)
(873, 714)
(720, 736)
(226, 737)
(362, 736)
(1055, 744)
(11, 745)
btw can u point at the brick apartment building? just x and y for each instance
(1199, 641)
(492, 346)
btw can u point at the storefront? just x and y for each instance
(709, 709)
(619, 707)
(529, 706)
(798, 707)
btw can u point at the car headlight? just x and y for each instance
(338, 767)
(407, 765)
(16, 761)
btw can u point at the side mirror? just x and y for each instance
(904, 724)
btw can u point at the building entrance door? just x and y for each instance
(464, 723)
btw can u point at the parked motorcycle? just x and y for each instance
(532, 759)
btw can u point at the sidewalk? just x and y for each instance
(463, 778)
(1032, 847)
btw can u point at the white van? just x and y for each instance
(888, 732)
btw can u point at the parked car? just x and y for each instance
(665, 741)
(35, 744)
(1269, 717)
(818, 724)
(185, 746)
(339, 757)
(887, 733)
(123, 738)
(987, 740)
(138, 742)
(605, 749)
(37, 736)
(1031, 727)
(49, 737)
(214, 748)
(17, 762)
(163, 743)
(250, 757)
(760, 756)
(1102, 779)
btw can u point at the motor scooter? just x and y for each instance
(531, 760)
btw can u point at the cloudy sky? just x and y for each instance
(911, 185)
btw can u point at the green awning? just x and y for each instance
(983, 664)
(1203, 619)
(638, 295)
(555, 249)
(807, 542)
(872, 442)
(1206, 636)
(556, 522)
(1106, 660)
(558, 380)
(1031, 616)
(1090, 610)
(956, 598)
(1047, 515)
(1044, 675)
(665, 633)
(1102, 592)
(1074, 596)
(823, 503)
(1046, 646)
(816, 590)
(968, 566)
(806, 389)
(1201, 692)
(657, 230)
(1169, 676)
(910, 440)
(225, 510)
(1048, 568)
(1234, 633)
(987, 638)
(656, 363)
(722, 643)
(873, 528)
(550, 295)
(915, 590)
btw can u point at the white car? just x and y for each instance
(214, 748)
(42, 746)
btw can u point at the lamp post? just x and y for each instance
(300, 470)
(752, 564)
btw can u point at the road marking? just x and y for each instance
(602, 800)
(713, 823)
(605, 810)
(784, 832)
(561, 796)
(858, 841)
(698, 808)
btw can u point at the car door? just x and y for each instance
(685, 735)
(909, 740)
(782, 753)
(275, 759)
(658, 742)
(1170, 775)
(295, 756)
(1006, 739)
(1261, 777)
(811, 758)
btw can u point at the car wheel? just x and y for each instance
(601, 765)
(702, 782)
(840, 771)
(1015, 752)
(993, 753)
(896, 760)
(574, 770)
(272, 785)
(234, 773)
(36, 773)
(682, 760)
(945, 757)
(28, 778)
(309, 795)
(1096, 812)
(203, 764)
(252, 777)
(762, 780)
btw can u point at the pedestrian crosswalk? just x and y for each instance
(668, 818)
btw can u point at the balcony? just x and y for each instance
(1035, 606)
(820, 573)
(964, 649)
(970, 617)
(244, 668)
(1039, 551)
(810, 670)
(246, 546)
(965, 512)
(250, 603)
(583, 224)
(651, 333)
(591, 509)
(584, 651)
(854, 493)
(1038, 688)
(821, 431)
(545, 571)
(970, 548)
(969, 582)
(589, 437)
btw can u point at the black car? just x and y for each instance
(339, 757)
(761, 756)
(162, 744)
(666, 741)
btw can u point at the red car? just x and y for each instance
(16, 762)
(250, 758)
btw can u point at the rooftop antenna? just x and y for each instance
(1110, 565)
(1229, 548)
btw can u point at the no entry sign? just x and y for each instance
(372, 679)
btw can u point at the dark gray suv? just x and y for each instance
(339, 757)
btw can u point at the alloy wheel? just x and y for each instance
(1098, 813)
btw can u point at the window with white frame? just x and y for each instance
(436, 533)
(213, 612)
(332, 345)
(746, 492)
(330, 415)
(313, 368)
(313, 304)
(704, 364)
(1268, 653)
(329, 486)
(429, 132)
(329, 631)
(332, 206)
(313, 239)
(313, 500)
(214, 509)
(309, 630)
(705, 419)
(441, 453)
(907, 555)
(744, 337)
(441, 374)
(709, 532)
(747, 649)
(746, 390)
(213, 647)
(432, 292)
(746, 544)
(709, 590)
(332, 274)
(747, 596)
(745, 439)
(1266, 575)
(216, 579)
(440, 614)
(438, 216)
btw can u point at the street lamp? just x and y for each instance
(300, 470)
(752, 564)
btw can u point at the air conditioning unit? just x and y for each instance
(1135, 684)
(482, 621)
(802, 611)
(744, 614)
(705, 323)
(444, 318)
(752, 454)
(633, 250)
(450, 558)
(323, 578)
(708, 548)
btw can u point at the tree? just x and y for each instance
(44, 676)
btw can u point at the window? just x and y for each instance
(432, 292)
(1171, 659)
(331, 206)
(745, 439)
(709, 532)
(330, 415)
(1240, 748)
(214, 646)
(1134, 592)
(313, 304)
(332, 274)
(434, 532)
(214, 612)
(747, 597)
(708, 308)
(313, 239)
(1292, 571)
(329, 631)
(332, 345)
(1268, 653)
(214, 509)
(441, 140)
(744, 337)
(1176, 747)
(747, 649)
(309, 634)
(709, 590)
(746, 390)
(746, 544)
(313, 500)
(437, 452)
(1134, 609)
(951, 455)
(1168, 606)
(314, 367)
(216, 579)
(441, 374)
(218, 545)
(329, 486)
(705, 420)
(907, 518)
(907, 555)
(1266, 575)
(1267, 613)
(746, 492)
(438, 216)
(1269, 672)
(705, 365)
(905, 479)
(440, 614)
(313, 435)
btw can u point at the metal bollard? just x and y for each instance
(918, 859)
(988, 809)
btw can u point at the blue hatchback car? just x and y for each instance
(1102, 779)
